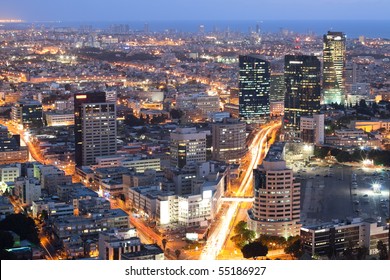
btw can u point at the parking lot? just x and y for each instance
(340, 192)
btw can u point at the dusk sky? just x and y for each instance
(120, 10)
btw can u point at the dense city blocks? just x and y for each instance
(125, 141)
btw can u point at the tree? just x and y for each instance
(348, 253)
(362, 103)
(44, 215)
(362, 253)
(22, 225)
(177, 253)
(176, 114)
(243, 234)
(321, 152)
(294, 247)
(343, 156)
(275, 240)
(6, 240)
(254, 250)
(164, 243)
(382, 248)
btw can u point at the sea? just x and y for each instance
(352, 28)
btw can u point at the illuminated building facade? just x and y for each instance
(229, 139)
(312, 129)
(276, 209)
(27, 113)
(277, 87)
(187, 146)
(59, 119)
(95, 127)
(303, 90)
(333, 84)
(254, 87)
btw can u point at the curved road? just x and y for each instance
(258, 150)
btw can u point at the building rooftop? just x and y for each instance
(334, 223)
(146, 250)
(276, 152)
(111, 170)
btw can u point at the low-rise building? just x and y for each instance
(59, 118)
(312, 129)
(6, 207)
(90, 225)
(138, 162)
(349, 133)
(146, 252)
(93, 205)
(352, 141)
(9, 172)
(108, 180)
(371, 125)
(331, 239)
(114, 242)
(123, 244)
(53, 206)
(27, 190)
(70, 192)
(10, 149)
(203, 103)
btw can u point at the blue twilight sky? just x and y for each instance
(129, 10)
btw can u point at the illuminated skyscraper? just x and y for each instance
(303, 90)
(254, 87)
(278, 87)
(334, 68)
(95, 127)
(276, 209)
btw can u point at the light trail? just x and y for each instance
(216, 239)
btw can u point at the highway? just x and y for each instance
(257, 151)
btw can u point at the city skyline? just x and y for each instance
(119, 10)
(217, 138)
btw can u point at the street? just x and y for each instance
(257, 150)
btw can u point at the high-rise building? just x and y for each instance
(277, 87)
(187, 146)
(303, 89)
(333, 83)
(276, 209)
(95, 127)
(27, 113)
(254, 87)
(229, 140)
